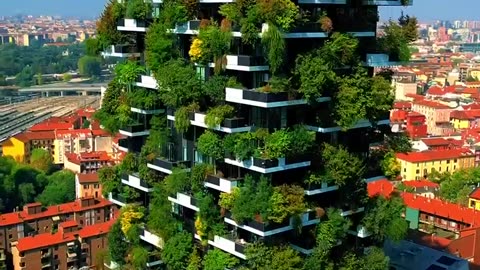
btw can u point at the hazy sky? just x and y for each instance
(423, 9)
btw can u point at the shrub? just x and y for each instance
(209, 144)
(182, 117)
(277, 144)
(274, 46)
(217, 114)
(138, 9)
(159, 46)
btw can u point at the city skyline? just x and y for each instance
(464, 9)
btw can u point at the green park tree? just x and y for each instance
(89, 66)
(41, 160)
(60, 188)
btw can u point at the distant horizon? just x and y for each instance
(424, 10)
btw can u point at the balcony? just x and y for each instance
(221, 184)
(360, 124)
(264, 100)
(132, 25)
(147, 81)
(352, 211)
(229, 244)
(166, 166)
(360, 232)
(154, 261)
(268, 229)
(117, 199)
(46, 254)
(268, 166)
(245, 63)
(122, 51)
(134, 181)
(185, 200)
(314, 189)
(189, 28)
(229, 125)
(386, 2)
(330, 2)
(380, 60)
(134, 130)
(151, 238)
(123, 145)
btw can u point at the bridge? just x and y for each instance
(64, 88)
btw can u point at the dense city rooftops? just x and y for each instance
(30, 136)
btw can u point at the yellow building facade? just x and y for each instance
(474, 199)
(418, 165)
(15, 148)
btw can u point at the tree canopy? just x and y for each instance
(41, 159)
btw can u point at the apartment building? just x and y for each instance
(437, 116)
(70, 247)
(417, 165)
(35, 219)
(254, 109)
(87, 185)
(465, 119)
(21, 145)
(87, 162)
(71, 141)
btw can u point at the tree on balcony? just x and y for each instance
(383, 218)
(107, 25)
(160, 218)
(216, 259)
(138, 9)
(340, 165)
(117, 247)
(177, 251)
(160, 46)
(262, 257)
(109, 178)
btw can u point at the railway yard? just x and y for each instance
(15, 118)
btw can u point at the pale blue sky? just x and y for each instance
(424, 9)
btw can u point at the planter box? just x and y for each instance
(123, 143)
(296, 159)
(169, 165)
(220, 183)
(265, 163)
(261, 226)
(133, 128)
(234, 122)
(213, 180)
(264, 97)
(191, 116)
(307, 28)
(239, 248)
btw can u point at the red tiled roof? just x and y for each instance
(473, 106)
(465, 114)
(100, 133)
(48, 239)
(87, 178)
(434, 155)
(402, 105)
(430, 103)
(87, 157)
(29, 136)
(442, 208)
(436, 90)
(380, 187)
(73, 133)
(475, 194)
(68, 224)
(441, 141)
(415, 96)
(51, 211)
(420, 184)
(51, 126)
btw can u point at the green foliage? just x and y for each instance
(262, 257)
(217, 114)
(138, 9)
(107, 115)
(215, 44)
(209, 144)
(89, 66)
(177, 181)
(227, 200)
(455, 187)
(253, 199)
(398, 143)
(109, 178)
(375, 259)
(182, 117)
(179, 84)
(93, 46)
(31, 60)
(139, 257)
(340, 50)
(286, 201)
(160, 46)
(177, 250)
(281, 13)
(332, 230)
(160, 218)
(173, 12)
(209, 213)
(117, 247)
(60, 188)
(25, 77)
(214, 88)
(274, 46)
(216, 259)
(128, 164)
(397, 36)
(41, 160)
(340, 165)
(277, 144)
(126, 73)
(107, 24)
(383, 219)
(144, 99)
(198, 176)
(195, 262)
(301, 140)
(315, 76)
(409, 27)
(390, 165)
(360, 97)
